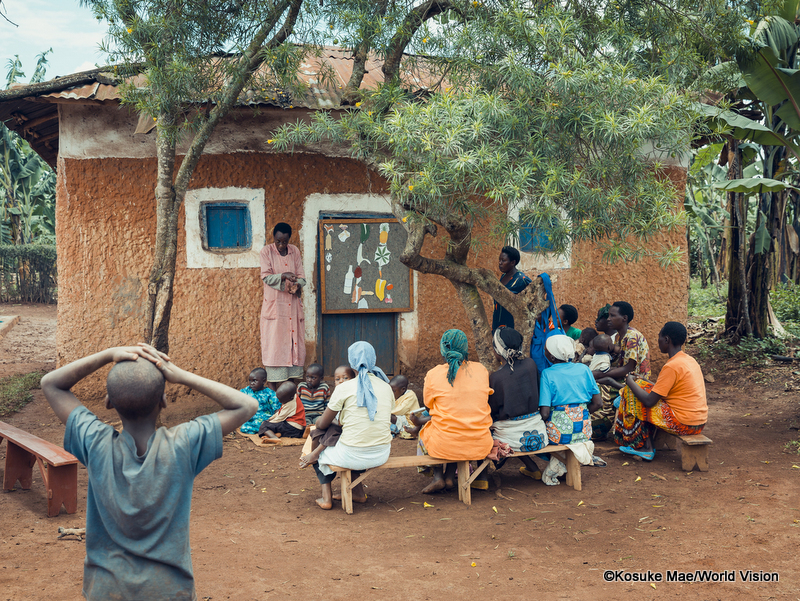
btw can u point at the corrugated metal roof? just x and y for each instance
(325, 77)
(36, 116)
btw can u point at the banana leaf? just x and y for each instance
(753, 185)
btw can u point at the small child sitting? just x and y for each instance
(601, 359)
(405, 401)
(583, 346)
(321, 439)
(141, 478)
(267, 401)
(289, 421)
(314, 393)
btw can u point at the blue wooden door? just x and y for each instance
(341, 330)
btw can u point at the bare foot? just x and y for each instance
(361, 500)
(268, 440)
(437, 485)
(449, 483)
(306, 461)
(337, 496)
(324, 504)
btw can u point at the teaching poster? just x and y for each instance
(360, 268)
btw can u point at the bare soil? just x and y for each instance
(257, 534)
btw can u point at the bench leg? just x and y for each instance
(692, 455)
(19, 466)
(347, 491)
(664, 441)
(464, 491)
(573, 468)
(62, 487)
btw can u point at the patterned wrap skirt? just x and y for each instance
(569, 424)
(523, 433)
(635, 423)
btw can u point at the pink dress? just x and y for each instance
(282, 322)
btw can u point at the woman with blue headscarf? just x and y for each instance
(457, 397)
(364, 405)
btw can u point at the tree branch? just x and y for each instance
(413, 21)
(248, 63)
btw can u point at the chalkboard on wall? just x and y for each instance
(360, 268)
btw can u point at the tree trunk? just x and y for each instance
(737, 317)
(162, 274)
(481, 328)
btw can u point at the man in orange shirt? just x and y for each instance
(676, 403)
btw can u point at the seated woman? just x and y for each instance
(675, 403)
(364, 405)
(634, 358)
(515, 401)
(568, 393)
(456, 395)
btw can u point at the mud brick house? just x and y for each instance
(105, 210)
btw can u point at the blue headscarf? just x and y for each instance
(453, 347)
(361, 356)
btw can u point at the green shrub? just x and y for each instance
(785, 301)
(28, 273)
(15, 391)
(704, 302)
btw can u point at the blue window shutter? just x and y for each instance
(532, 239)
(227, 225)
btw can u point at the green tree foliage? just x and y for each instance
(190, 61)
(561, 113)
(27, 183)
(763, 84)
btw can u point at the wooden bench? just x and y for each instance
(59, 469)
(693, 449)
(465, 479)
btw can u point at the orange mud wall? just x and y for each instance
(106, 231)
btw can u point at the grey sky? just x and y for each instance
(65, 26)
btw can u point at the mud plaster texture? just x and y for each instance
(106, 231)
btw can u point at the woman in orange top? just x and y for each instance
(457, 397)
(675, 403)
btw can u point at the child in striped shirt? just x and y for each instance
(314, 393)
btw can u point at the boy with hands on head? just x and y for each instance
(140, 479)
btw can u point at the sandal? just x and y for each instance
(537, 475)
(647, 456)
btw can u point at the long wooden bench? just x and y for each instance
(693, 449)
(465, 479)
(59, 469)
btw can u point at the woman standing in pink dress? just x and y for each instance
(283, 348)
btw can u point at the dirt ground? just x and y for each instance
(257, 534)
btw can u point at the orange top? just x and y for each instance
(680, 384)
(460, 414)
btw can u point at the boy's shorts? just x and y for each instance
(282, 428)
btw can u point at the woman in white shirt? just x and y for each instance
(364, 405)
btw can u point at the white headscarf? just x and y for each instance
(561, 347)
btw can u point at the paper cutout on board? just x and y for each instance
(344, 234)
(362, 304)
(328, 237)
(364, 232)
(380, 288)
(348, 280)
(327, 268)
(382, 255)
(360, 255)
(328, 257)
(389, 299)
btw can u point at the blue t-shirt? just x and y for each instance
(566, 384)
(137, 508)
